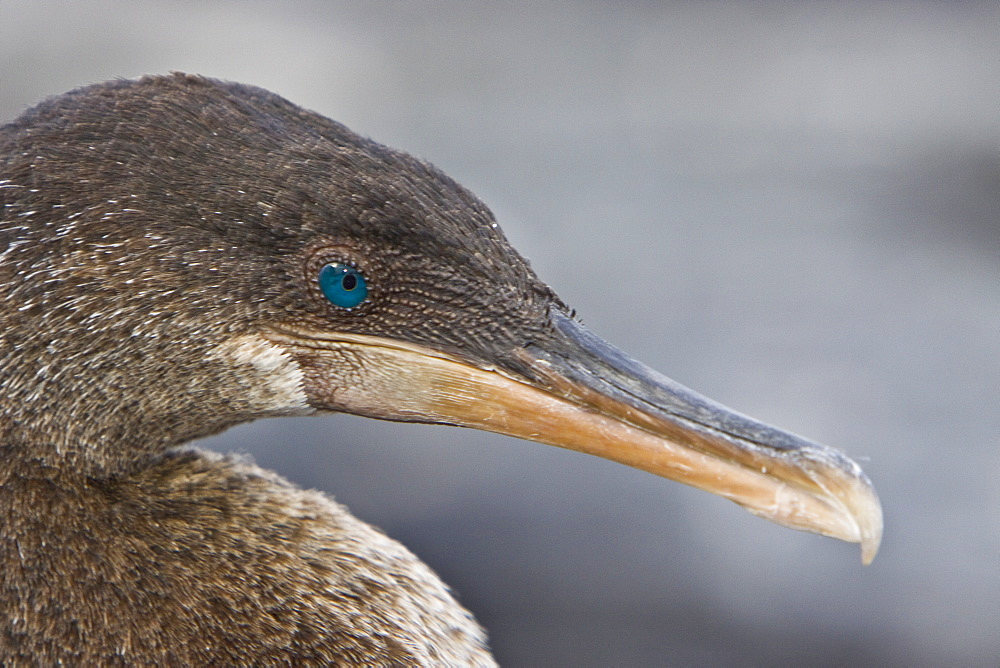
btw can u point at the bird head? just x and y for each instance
(179, 255)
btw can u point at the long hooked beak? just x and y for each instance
(581, 393)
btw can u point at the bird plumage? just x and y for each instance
(160, 247)
(148, 227)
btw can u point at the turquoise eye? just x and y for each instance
(343, 285)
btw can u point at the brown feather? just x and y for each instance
(149, 229)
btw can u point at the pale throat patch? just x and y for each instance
(277, 380)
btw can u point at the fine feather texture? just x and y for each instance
(150, 229)
(206, 560)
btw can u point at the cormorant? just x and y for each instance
(179, 255)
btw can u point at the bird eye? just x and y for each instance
(343, 285)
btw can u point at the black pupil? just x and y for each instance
(349, 282)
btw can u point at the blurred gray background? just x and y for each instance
(791, 207)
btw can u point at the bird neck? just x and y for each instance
(106, 410)
(103, 410)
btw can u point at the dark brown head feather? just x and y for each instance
(146, 222)
(149, 229)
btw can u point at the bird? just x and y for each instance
(181, 254)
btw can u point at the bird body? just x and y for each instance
(201, 559)
(179, 255)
